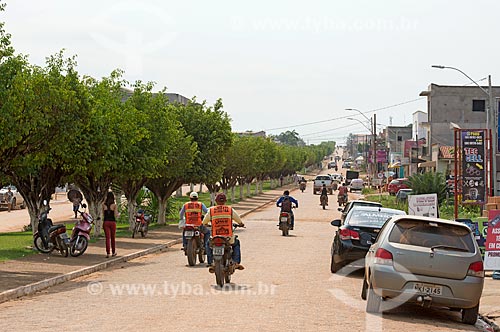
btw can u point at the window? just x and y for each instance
(478, 105)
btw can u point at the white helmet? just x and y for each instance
(194, 194)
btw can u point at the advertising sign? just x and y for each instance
(473, 167)
(479, 228)
(423, 205)
(492, 253)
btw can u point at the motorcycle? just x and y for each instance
(222, 252)
(285, 222)
(324, 200)
(302, 186)
(49, 237)
(342, 200)
(195, 244)
(142, 221)
(80, 235)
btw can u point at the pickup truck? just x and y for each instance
(349, 175)
(319, 181)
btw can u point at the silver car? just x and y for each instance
(428, 261)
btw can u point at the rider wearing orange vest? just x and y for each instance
(221, 218)
(192, 211)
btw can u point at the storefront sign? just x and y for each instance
(423, 205)
(473, 167)
(492, 253)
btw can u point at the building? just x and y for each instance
(463, 105)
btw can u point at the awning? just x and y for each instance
(427, 164)
(396, 164)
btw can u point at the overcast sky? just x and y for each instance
(274, 63)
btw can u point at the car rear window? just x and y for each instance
(429, 234)
(373, 218)
(323, 178)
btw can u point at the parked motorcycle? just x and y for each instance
(142, 221)
(195, 244)
(323, 200)
(80, 235)
(49, 237)
(222, 252)
(302, 186)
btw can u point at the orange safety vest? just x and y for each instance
(193, 212)
(221, 220)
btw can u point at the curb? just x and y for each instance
(40, 285)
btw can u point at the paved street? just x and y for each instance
(287, 285)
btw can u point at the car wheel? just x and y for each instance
(469, 315)
(373, 301)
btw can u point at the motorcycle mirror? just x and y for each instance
(340, 209)
(84, 205)
(44, 202)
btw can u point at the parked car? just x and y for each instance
(356, 184)
(356, 233)
(425, 260)
(402, 195)
(346, 165)
(357, 202)
(17, 201)
(396, 184)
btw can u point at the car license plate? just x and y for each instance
(189, 233)
(428, 289)
(218, 251)
(284, 219)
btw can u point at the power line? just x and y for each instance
(344, 117)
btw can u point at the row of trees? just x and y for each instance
(60, 127)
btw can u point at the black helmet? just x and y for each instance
(221, 198)
(286, 193)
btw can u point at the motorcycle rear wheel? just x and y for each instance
(80, 242)
(284, 230)
(219, 273)
(37, 241)
(191, 252)
(136, 228)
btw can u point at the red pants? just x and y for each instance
(110, 232)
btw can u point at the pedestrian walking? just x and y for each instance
(111, 215)
(76, 205)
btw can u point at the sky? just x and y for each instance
(276, 65)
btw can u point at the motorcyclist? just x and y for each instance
(192, 212)
(343, 192)
(225, 215)
(324, 193)
(279, 203)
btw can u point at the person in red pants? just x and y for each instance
(111, 214)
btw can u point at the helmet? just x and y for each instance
(221, 198)
(194, 194)
(286, 193)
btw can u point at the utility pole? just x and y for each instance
(374, 146)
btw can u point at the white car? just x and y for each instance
(17, 200)
(356, 184)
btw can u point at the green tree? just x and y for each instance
(290, 138)
(428, 183)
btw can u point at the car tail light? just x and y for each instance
(348, 234)
(218, 242)
(383, 257)
(476, 270)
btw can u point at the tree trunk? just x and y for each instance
(201, 188)
(241, 191)
(162, 207)
(131, 189)
(232, 195)
(248, 189)
(191, 187)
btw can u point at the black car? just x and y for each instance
(356, 234)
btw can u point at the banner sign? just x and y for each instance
(480, 229)
(423, 205)
(473, 167)
(492, 253)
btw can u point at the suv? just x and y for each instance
(396, 184)
(17, 200)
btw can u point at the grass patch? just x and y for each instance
(15, 245)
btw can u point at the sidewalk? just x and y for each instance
(39, 271)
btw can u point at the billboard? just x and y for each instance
(473, 166)
(425, 205)
(492, 253)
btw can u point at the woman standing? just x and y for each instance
(110, 216)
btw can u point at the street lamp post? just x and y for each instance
(490, 109)
(373, 131)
